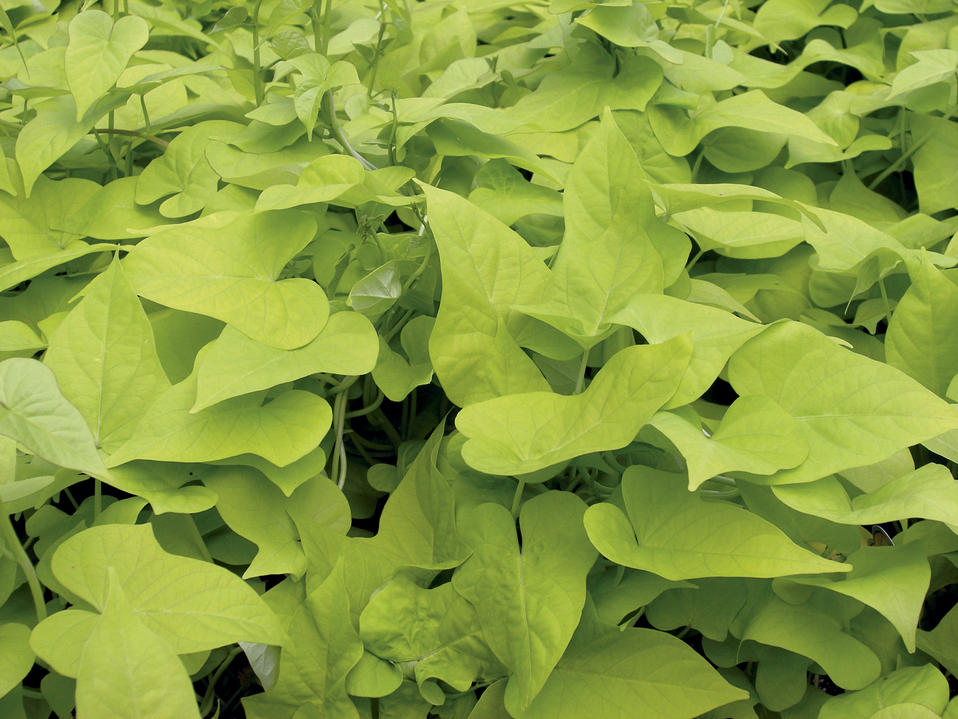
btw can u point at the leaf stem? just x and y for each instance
(583, 366)
(338, 133)
(258, 91)
(10, 539)
(132, 133)
(517, 497)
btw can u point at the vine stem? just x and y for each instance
(517, 498)
(580, 379)
(10, 539)
(132, 133)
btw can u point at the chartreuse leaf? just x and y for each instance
(891, 580)
(313, 669)
(942, 641)
(525, 432)
(854, 410)
(14, 273)
(235, 364)
(923, 686)
(755, 436)
(395, 375)
(183, 172)
(679, 535)
(610, 673)
(929, 492)
(192, 605)
(16, 656)
(35, 414)
(44, 223)
(255, 508)
(752, 110)
(373, 677)
(935, 174)
(818, 635)
(922, 336)
(486, 268)
(323, 180)
(282, 430)
(229, 268)
(435, 629)
(128, 672)
(607, 254)
(105, 359)
(715, 336)
(98, 51)
(528, 601)
(164, 485)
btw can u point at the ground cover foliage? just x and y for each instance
(476, 358)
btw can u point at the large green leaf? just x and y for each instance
(611, 673)
(755, 436)
(528, 600)
(190, 604)
(128, 672)
(105, 359)
(679, 535)
(525, 432)
(923, 686)
(35, 413)
(42, 223)
(235, 364)
(922, 336)
(98, 51)
(281, 430)
(854, 410)
(229, 267)
(486, 269)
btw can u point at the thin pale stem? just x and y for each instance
(12, 543)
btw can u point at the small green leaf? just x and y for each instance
(396, 376)
(679, 535)
(98, 52)
(525, 432)
(36, 414)
(755, 436)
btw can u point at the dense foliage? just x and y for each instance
(477, 358)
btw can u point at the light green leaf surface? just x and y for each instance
(235, 364)
(436, 629)
(922, 335)
(183, 172)
(607, 254)
(98, 51)
(323, 180)
(282, 430)
(808, 631)
(230, 270)
(313, 670)
(928, 492)
(529, 431)
(715, 336)
(104, 356)
(528, 601)
(396, 375)
(935, 173)
(35, 413)
(16, 656)
(373, 677)
(752, 110)
(891, 580)
(486, 269)
(43, 224)
(190, 604)
(610, 673)
(59, 639)
(679, 535)
(941, 643)
(14, 273)
(128, 672)
(854, 410)
(923, 686)
(755, 436)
